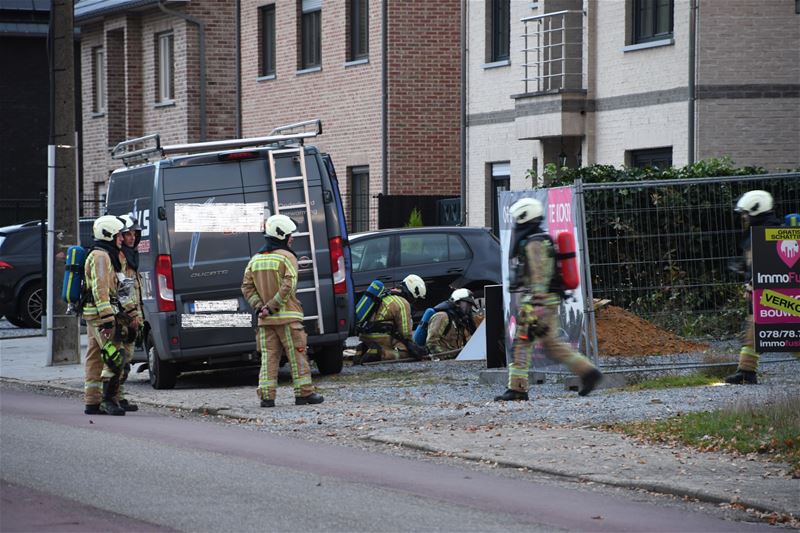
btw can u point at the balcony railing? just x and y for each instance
(553, 47)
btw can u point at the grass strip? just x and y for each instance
(668, 382)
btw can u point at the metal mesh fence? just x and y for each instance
(668, 250)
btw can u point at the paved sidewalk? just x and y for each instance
(575, 453)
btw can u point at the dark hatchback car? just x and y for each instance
(446, 257)
(22, 298)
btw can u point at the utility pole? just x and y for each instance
(63, 334)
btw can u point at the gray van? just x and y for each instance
(202, 216)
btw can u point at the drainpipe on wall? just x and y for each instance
(463, 113)
(692, 66)
(384, 99)
(238, 59)
(201, 37)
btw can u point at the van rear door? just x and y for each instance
(208, 254)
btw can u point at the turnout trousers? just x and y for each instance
(554, 349)
(94, 369)
(272, 342)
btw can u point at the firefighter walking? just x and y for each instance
(102, 311)
(755, 208)
(537, 315)
(389, 334)
(269, 286)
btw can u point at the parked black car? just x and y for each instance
(22, 299)
(447, 258)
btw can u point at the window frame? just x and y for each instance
(650, 157)
(359, 211)
(310, 37)
(268, 41)
(499, 38)
(358, 24)
(99, 94)
(646, 35)
(165, 67)
(498, 177)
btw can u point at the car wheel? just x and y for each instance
(329, 359)
(162, 375)
(31, 304)
(16, 321)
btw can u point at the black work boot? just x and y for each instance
(128, 406)
(511, 395)
(267, 403)
(310, 399)
(108, 406)
(92, 409)
(589, 381)
(742, 377)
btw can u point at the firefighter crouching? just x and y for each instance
(755, 208)
(270, 286)
(452, 325)
(107, 313)
(131, 235)
(388, 335)
(537, 315)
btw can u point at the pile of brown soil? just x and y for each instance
(620, 332)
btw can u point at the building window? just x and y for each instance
(359, 29)
(165, 67)
(652, 20)
(98, 80)
(652, 157)
(500, 181)
(267, 34)
(359, 194)
(499, 30)
(310, 33)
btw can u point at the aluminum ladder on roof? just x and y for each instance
(277, 207)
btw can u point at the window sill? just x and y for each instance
(168, 103)
(266, 78)
(496, 64)
(649, 44)
(98, 114)
(356, 62)
(309, 70)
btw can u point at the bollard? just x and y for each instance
(495, 327)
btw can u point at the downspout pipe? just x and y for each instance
(201, 37)
(238, 58)
(384, 99)
(463, 50)
(692, 67)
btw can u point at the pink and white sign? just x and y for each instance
(559, 210)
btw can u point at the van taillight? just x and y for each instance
(165, 296)
(337, 266)
(238, 156)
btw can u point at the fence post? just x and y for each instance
(589, 318)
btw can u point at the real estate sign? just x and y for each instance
(776, 289)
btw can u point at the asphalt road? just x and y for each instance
(65, 471)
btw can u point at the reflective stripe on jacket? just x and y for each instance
(270, 279)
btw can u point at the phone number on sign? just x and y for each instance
(770, 334)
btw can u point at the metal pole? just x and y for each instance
(590, 325)
(692, 88)
(62, 218)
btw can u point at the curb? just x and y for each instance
(661, 488)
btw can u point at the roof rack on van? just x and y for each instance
(137, 150)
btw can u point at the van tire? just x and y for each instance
(329, 359)
(162, 375)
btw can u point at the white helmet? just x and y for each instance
(106, 227)
(462, 295)
(415, 286)
(526, 210)
(279, 226)
(754, 203)
(131, 224)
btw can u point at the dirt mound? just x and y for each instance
(620, 332)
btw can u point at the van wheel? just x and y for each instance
(31, 304)
(329, 359)
(162, 375)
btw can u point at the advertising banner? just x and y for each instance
(560, 214)
(776, 289)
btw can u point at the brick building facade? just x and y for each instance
(140, 72)
(609, 83)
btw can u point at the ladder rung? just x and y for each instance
(311, 317)
(288, 178)
(286, 151)
(307, 289)
(292, 206)
(300, 234)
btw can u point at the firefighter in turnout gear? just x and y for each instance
(452, 325)
(537, 314)
(389, 336)
(755, 208)
(131, 235)
(105, 315)
(270, 286)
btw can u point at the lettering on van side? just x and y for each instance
(209, 273)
